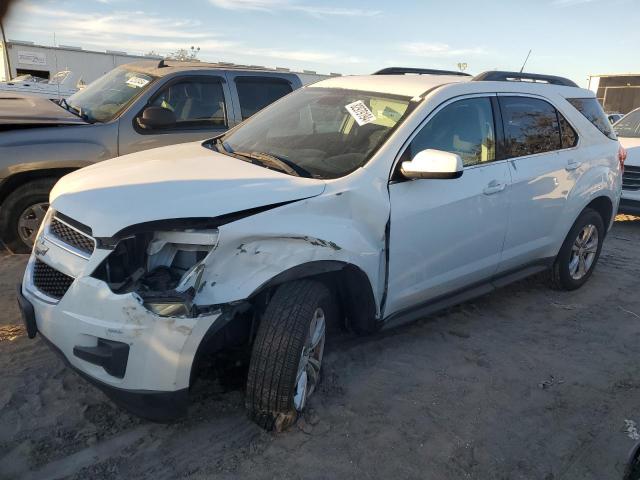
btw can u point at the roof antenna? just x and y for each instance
(525, 61)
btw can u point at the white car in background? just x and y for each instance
(628, 131)
(365, 202)
(61, 85)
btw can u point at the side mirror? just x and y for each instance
(433, 164)
(157, 117)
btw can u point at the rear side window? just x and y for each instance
(255, 93)
(569, 135)
(591, 109)
(530, 126)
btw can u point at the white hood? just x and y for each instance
(179, 181)
(632, 145)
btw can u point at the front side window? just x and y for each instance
(530, 126)
(465, 127)
(320, 132)
(255, 93)
(195, 102)
(629, 126)
(107, 97)
(591, 109)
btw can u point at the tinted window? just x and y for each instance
(591, 109)
(256, 93)
(569, 135)
(530, 126)
(465, 127)
(629, 126)
(197, 102)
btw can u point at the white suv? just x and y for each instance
(362, 201)
(628, 131)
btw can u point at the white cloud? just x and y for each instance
(138, 33)
(432, 50)
(291, 5)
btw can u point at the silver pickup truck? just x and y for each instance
(134, 107)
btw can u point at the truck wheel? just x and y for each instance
(22, 213)
(580, 251)
(287, 353)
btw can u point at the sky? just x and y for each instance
(573, 38)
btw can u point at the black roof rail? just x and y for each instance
(499, 76)
(418, 71)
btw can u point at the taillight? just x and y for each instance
(622, 156)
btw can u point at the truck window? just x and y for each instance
(197, 102)
(255, 93)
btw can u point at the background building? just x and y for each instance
(44, 61)
(617, 93)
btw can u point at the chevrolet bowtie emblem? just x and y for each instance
(40, 248)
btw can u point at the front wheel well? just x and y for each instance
(349, 285)
(17, 179)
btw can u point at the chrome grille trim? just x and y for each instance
(70, 238)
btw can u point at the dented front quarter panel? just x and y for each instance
(345, 224)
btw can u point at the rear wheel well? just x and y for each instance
(18, 179)
(604, 207)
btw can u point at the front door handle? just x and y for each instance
(572, 165)
(494, 187)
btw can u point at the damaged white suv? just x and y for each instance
(361, 201)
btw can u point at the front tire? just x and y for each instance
(22, 213)
(287, 353)
(580, 251)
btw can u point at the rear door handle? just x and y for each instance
(494, 187)
(572, 165)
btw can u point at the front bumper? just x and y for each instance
(630, 202)
(153, 379)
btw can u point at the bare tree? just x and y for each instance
(184, 55)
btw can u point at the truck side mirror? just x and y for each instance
(157, 118)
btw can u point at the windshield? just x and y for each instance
(104, 99)
(629, 126)
(320, 132)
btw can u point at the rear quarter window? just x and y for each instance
(591, 109)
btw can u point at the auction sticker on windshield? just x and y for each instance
(137, 82)
(360, 113)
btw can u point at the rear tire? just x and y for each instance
(580, 251)
(285, 365)
(29, 200)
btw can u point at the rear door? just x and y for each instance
(446, 235)
(252, 91)
(201, 104)
(540, 145)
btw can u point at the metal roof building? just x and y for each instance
(617, 92)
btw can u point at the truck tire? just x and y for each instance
(579, 253)
(22, 212)
(287, 354)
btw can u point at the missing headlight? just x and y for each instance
(164, 268)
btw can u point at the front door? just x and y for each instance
(446, 235)
(201, 106)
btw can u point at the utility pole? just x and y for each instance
(6, 50)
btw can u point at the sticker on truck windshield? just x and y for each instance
(137, 82)
(360, 113)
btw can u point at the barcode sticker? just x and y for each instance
(360, 113)
(137, 82)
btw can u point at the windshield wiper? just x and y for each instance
(75, 110)
(280, 163)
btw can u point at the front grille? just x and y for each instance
(50, 281)
(631, 178)
(71, 236)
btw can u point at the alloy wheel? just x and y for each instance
(583, 252)
(29, 222)
(308, 374)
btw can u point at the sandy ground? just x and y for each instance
(525, 383)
